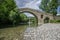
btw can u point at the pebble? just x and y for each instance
(44, 32)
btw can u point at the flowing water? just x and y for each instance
(14, 33)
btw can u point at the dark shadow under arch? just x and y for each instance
(46, 20)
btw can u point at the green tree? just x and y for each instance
(9, 13)
(5, 9)
(49, 6)
(24, 18)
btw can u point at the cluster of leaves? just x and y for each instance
(49, 6)
(9, 13)
(5, 7)
(23, 17)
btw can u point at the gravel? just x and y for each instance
(44, 32)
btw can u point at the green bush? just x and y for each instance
(58, 21)
(54, 21)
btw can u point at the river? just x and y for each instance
(12, 33)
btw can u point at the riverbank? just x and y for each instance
(49, 31)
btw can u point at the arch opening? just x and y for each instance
(46, 20)
(32, 17)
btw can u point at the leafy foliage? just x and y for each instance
(9, 13)
(23, 17)
(49, 6)
(5, 8)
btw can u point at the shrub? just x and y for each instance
(54, 21)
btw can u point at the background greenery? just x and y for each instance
(9, 13)
(54, 21)
(49, 6)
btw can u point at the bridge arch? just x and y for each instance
(40, 16)
(46, 20)
(32, 14)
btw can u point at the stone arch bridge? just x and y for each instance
(41, 16)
